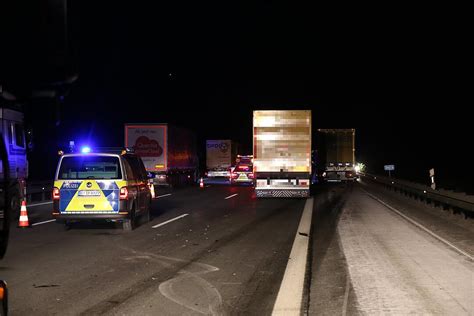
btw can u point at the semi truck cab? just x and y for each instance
(13, 134)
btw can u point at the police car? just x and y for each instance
(109, 186)
(243, 171)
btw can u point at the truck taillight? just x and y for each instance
(348, 174)
(234, 175)
(123, 193)
(56, 194)
(251, 175)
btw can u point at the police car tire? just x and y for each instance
(67, 225)
(146, 216)
(128, 224)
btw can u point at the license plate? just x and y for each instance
(88, 193)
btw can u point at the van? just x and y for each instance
(104, 186)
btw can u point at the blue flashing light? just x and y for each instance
(85, 149)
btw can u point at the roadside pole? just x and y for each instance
(432, 174)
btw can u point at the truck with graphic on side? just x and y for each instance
(220, 157)
(167, 151)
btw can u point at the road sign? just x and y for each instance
(389, 167)
(432, 172)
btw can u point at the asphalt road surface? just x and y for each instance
(221, 251)
(227, 256)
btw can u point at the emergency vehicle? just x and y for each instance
(243, 170)
(110, 186)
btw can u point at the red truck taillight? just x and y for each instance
(251, 175)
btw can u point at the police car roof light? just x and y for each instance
(85, 149)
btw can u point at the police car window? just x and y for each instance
(90, 167)
(136, 167)
(140, 168)
(128, 170)
(19, 135)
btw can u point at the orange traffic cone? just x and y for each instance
(23, 216)
(201, 183)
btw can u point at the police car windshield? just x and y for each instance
(90, 167)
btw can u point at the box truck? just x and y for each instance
(167, 151)
(282, 153)
(220, 156)
(337, 154)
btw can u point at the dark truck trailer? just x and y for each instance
(167, 151)
(336, 148)
(13, 133)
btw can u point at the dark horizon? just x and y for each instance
(391, 75)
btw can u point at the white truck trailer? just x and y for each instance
(282, 153)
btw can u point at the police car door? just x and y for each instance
(141, 178)
(133, 179)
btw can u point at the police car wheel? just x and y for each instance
(67, 225)
(128, 224)
(146, 216)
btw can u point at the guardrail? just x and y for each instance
(456, 202)
(37, 191)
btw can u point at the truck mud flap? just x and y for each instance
(275, 193)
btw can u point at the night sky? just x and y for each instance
(391, 72)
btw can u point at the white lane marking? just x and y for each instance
(39, 204)
(170, 220)
(44, 222)
(207, 186)
(290, 296)
(462, 252)
(231, 196)
(346, 296)
(162, 196)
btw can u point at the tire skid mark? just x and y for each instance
(189, 276)
(122, 296)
